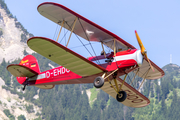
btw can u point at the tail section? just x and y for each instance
(28, 67)
(30, 62)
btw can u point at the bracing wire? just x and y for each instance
(89, 42)
(83, 43)
(55, 34)
(80, 46)
(65, 35)
(130, 81)
(144, 73)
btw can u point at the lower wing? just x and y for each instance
(145, 71)
(134, 98)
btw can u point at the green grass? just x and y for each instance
(178, 92)
(93, 96)
(108, 102)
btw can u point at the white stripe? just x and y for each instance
(37, 77)
(123, 57)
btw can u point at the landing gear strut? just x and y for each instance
(99, 82)
(26, 83)
(24, 87)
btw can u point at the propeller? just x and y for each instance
(143, 50)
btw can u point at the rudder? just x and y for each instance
(30, 62)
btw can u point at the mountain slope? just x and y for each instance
(13, 36)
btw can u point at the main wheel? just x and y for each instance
(121, 96)
(98, 82)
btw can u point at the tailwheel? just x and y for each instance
(98, 82)
(121, 96)
(24, 87)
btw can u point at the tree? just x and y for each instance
(21, 117)
(163, 110)
(8, 114)
(25, 52)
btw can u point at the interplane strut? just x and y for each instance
(71, 31)
(60, 30)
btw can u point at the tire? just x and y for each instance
(121, 96)
(98, 82)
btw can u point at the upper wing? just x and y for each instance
(144, 68)
(84, 27)
(64, 56)
(21, 71)
(134, 98)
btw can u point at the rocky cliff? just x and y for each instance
(13, 37)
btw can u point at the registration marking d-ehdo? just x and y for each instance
(56, 72)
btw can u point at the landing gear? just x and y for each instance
(98, 82)
(26, 83)
(24, 87)
(121, 96)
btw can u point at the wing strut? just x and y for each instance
(115, 81)
(116, 84)
(123, 82)
(111, 73)
(103, 50)
(144, 78)
(71, 31)
(107, 77)
(60, 30)
(134, 76)
(117, 89)
(112, 86)
(114, 47)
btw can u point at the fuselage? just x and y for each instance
(122, 59)
(60, 75)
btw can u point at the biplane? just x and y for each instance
(103, 71)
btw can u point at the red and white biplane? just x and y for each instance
(103, 70)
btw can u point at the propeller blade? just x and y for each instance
(143, 50)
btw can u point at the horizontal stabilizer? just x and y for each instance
(21, 71)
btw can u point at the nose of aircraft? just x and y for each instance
(143, 50)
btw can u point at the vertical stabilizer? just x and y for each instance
(30, 62)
